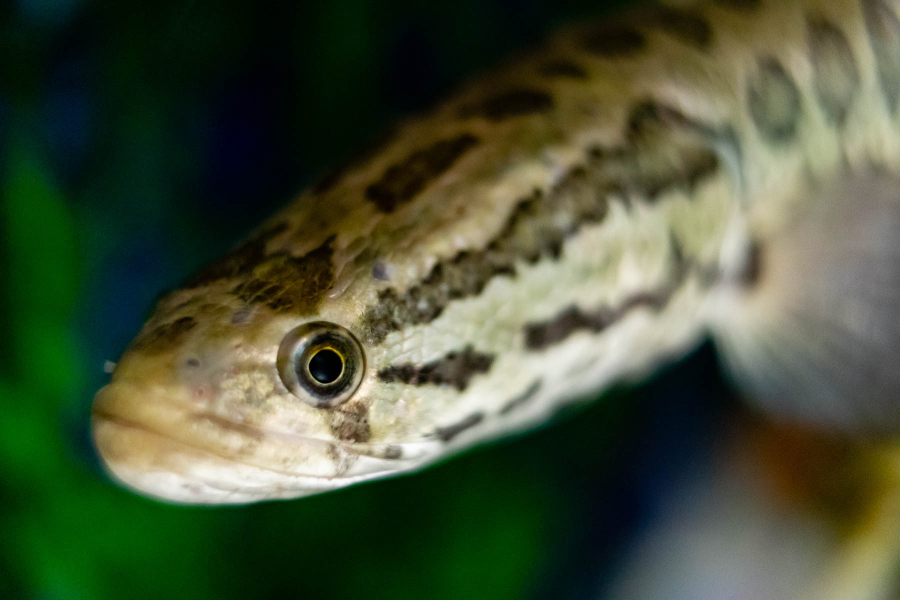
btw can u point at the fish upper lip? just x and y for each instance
(353, 447)
(253, 492)
(132, 424)
(100, 413)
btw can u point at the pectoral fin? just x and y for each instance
(813, 332)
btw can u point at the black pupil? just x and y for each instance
(326, 366)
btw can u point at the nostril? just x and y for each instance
(192, 362)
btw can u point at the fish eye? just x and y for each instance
(321, 363)
(326, 366)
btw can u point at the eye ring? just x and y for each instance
(321, 363)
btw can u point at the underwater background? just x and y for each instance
(139, 140)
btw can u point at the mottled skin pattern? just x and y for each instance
(570, 221)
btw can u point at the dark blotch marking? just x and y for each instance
(522, 398)
(548, 333)
(651, 168)
(164, 336)
(687, 25)
(562, 68)
(511, 103)
(350, 422)
(774, 102)
(403, 181)
(379, 271)
(239, 261)
(884, 36)
(192, 362)
(753, 269)
(530, 233)
(651, 117)
(285, 283)
(358, 158)
(647, 115)
(393, 453)
(539, 224)
(836, 73)
(617, 42)
(451, 431)
(544, 334)
(241, 316)
(455, 369)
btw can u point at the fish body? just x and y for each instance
(576, 219)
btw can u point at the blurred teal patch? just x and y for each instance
(48, 13)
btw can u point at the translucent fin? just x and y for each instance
(812, 332)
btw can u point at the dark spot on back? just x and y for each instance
(651, 116)
(286, 283)
(164, 336)
(451, 431)
(239, 261)
(350, 422)
(834, 67)
(774, 102)
(455, 369)
(647, 114)
(512, 103)
(884, 36)
(687, 25)
(403, 181)
(649, 167)
(611, 43)
(564, 69)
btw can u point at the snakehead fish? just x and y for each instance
(578, 218)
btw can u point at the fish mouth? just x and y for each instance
(158, 447)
